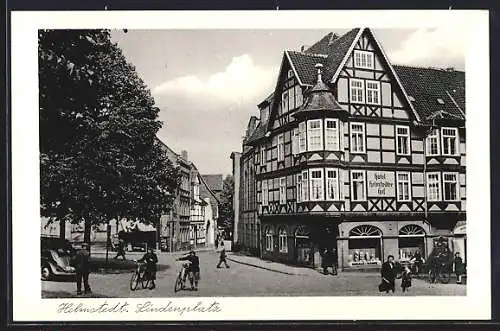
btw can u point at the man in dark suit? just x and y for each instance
(389, 273)
(82, 268)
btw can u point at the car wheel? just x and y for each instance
(46, 274)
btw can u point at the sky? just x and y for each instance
(207, 83)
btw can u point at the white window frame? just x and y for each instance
(282, 191)
(373, 91)
(361, 88)
(332, 181)
(265, 193)
(369, 59)
(315, 131)
(443, 136)
(408, 137)
(321, 181)
(302, 137)
(295, 141)
(407, 182)
(433, 135)
(263, 155)
(334, 133)
(439, 186)
(357, 180)
(285, 99)
(305, 185)
(281, 147)
(283, 241)
(269, 240)
(298, 187)
(457, 185)
(363, 134)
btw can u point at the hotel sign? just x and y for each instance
(381, 184)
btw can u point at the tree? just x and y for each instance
(99, 157)
(226, 211)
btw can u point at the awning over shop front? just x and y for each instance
(460, 228)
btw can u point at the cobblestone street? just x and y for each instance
(247, 276)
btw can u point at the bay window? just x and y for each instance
(332, 134)
(281, 147)
(302, 137)
(357, 90)
(282, 191)
(298, 188)
(433, 186)
(363, 59)
(358, 189)
(357, 138)
(305, 186)
(373, 92)
(450, 186)
(403, 186)
(332, 184)
(265, 193)
(314, 135)
(449, 140)
(316, 185)
(402, 140)
(432, 143)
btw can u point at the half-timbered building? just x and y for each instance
(354, 154)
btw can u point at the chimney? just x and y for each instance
(184, 155)
(450, 69)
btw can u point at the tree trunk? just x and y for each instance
(62, 228)
(87, 230)
(108, 240)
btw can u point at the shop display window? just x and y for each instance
(365, 243)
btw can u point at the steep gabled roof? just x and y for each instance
(434, 92)
(304, 65)
(258, 133)
(214, 182)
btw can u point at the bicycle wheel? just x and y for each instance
(178, 284)
(145, 283)
(134, 281)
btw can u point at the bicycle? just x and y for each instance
(443, 274)
(180, 284)
(139, 276)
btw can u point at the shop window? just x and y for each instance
(365, 243)
(432, 143)
(411, 240)
(303, 246)
(283, 243)
(269, 239)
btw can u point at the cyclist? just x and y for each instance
(151, 261)
(193, 270)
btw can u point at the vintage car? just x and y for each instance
(56, 257)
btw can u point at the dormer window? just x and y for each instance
(290, 74)
(363, 59)
(440, 101)
(412, 99)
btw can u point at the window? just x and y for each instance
(263, 155)
(269, 240)
(403, 186)
(449, 140)
(357, 138)
(450, 186)
(432, 143)
(363, 59)
(299, 188)
(295, 141)
(357, 90)
(332, 184)
(402, 140)
(305, 186)
(299, 100)
(265, 193)
(284, 102)
(281, 147)
(302, 137)
(283, 245)
(373, 92)
(433, 186)
(332, 134)
(283, 190)
(358, 192)
(290, 74)
(314, 135)
(317, 185)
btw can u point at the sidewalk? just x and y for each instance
(271, 266)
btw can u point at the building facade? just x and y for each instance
(354, 154)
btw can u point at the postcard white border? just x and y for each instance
(27, 304)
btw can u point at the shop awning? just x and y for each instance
(460, 228)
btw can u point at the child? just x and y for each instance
(222, 256)
(406, 279)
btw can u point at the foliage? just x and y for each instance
(99, 155)
(226, 212)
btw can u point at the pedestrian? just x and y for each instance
(82, 268)
(388, 273)
(120, 250)
(458, 267)
(217, 242)
(326, 261)
(406, 279)
(222, 256)
(193, 270)
(151, 260)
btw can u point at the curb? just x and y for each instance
(265, 268)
